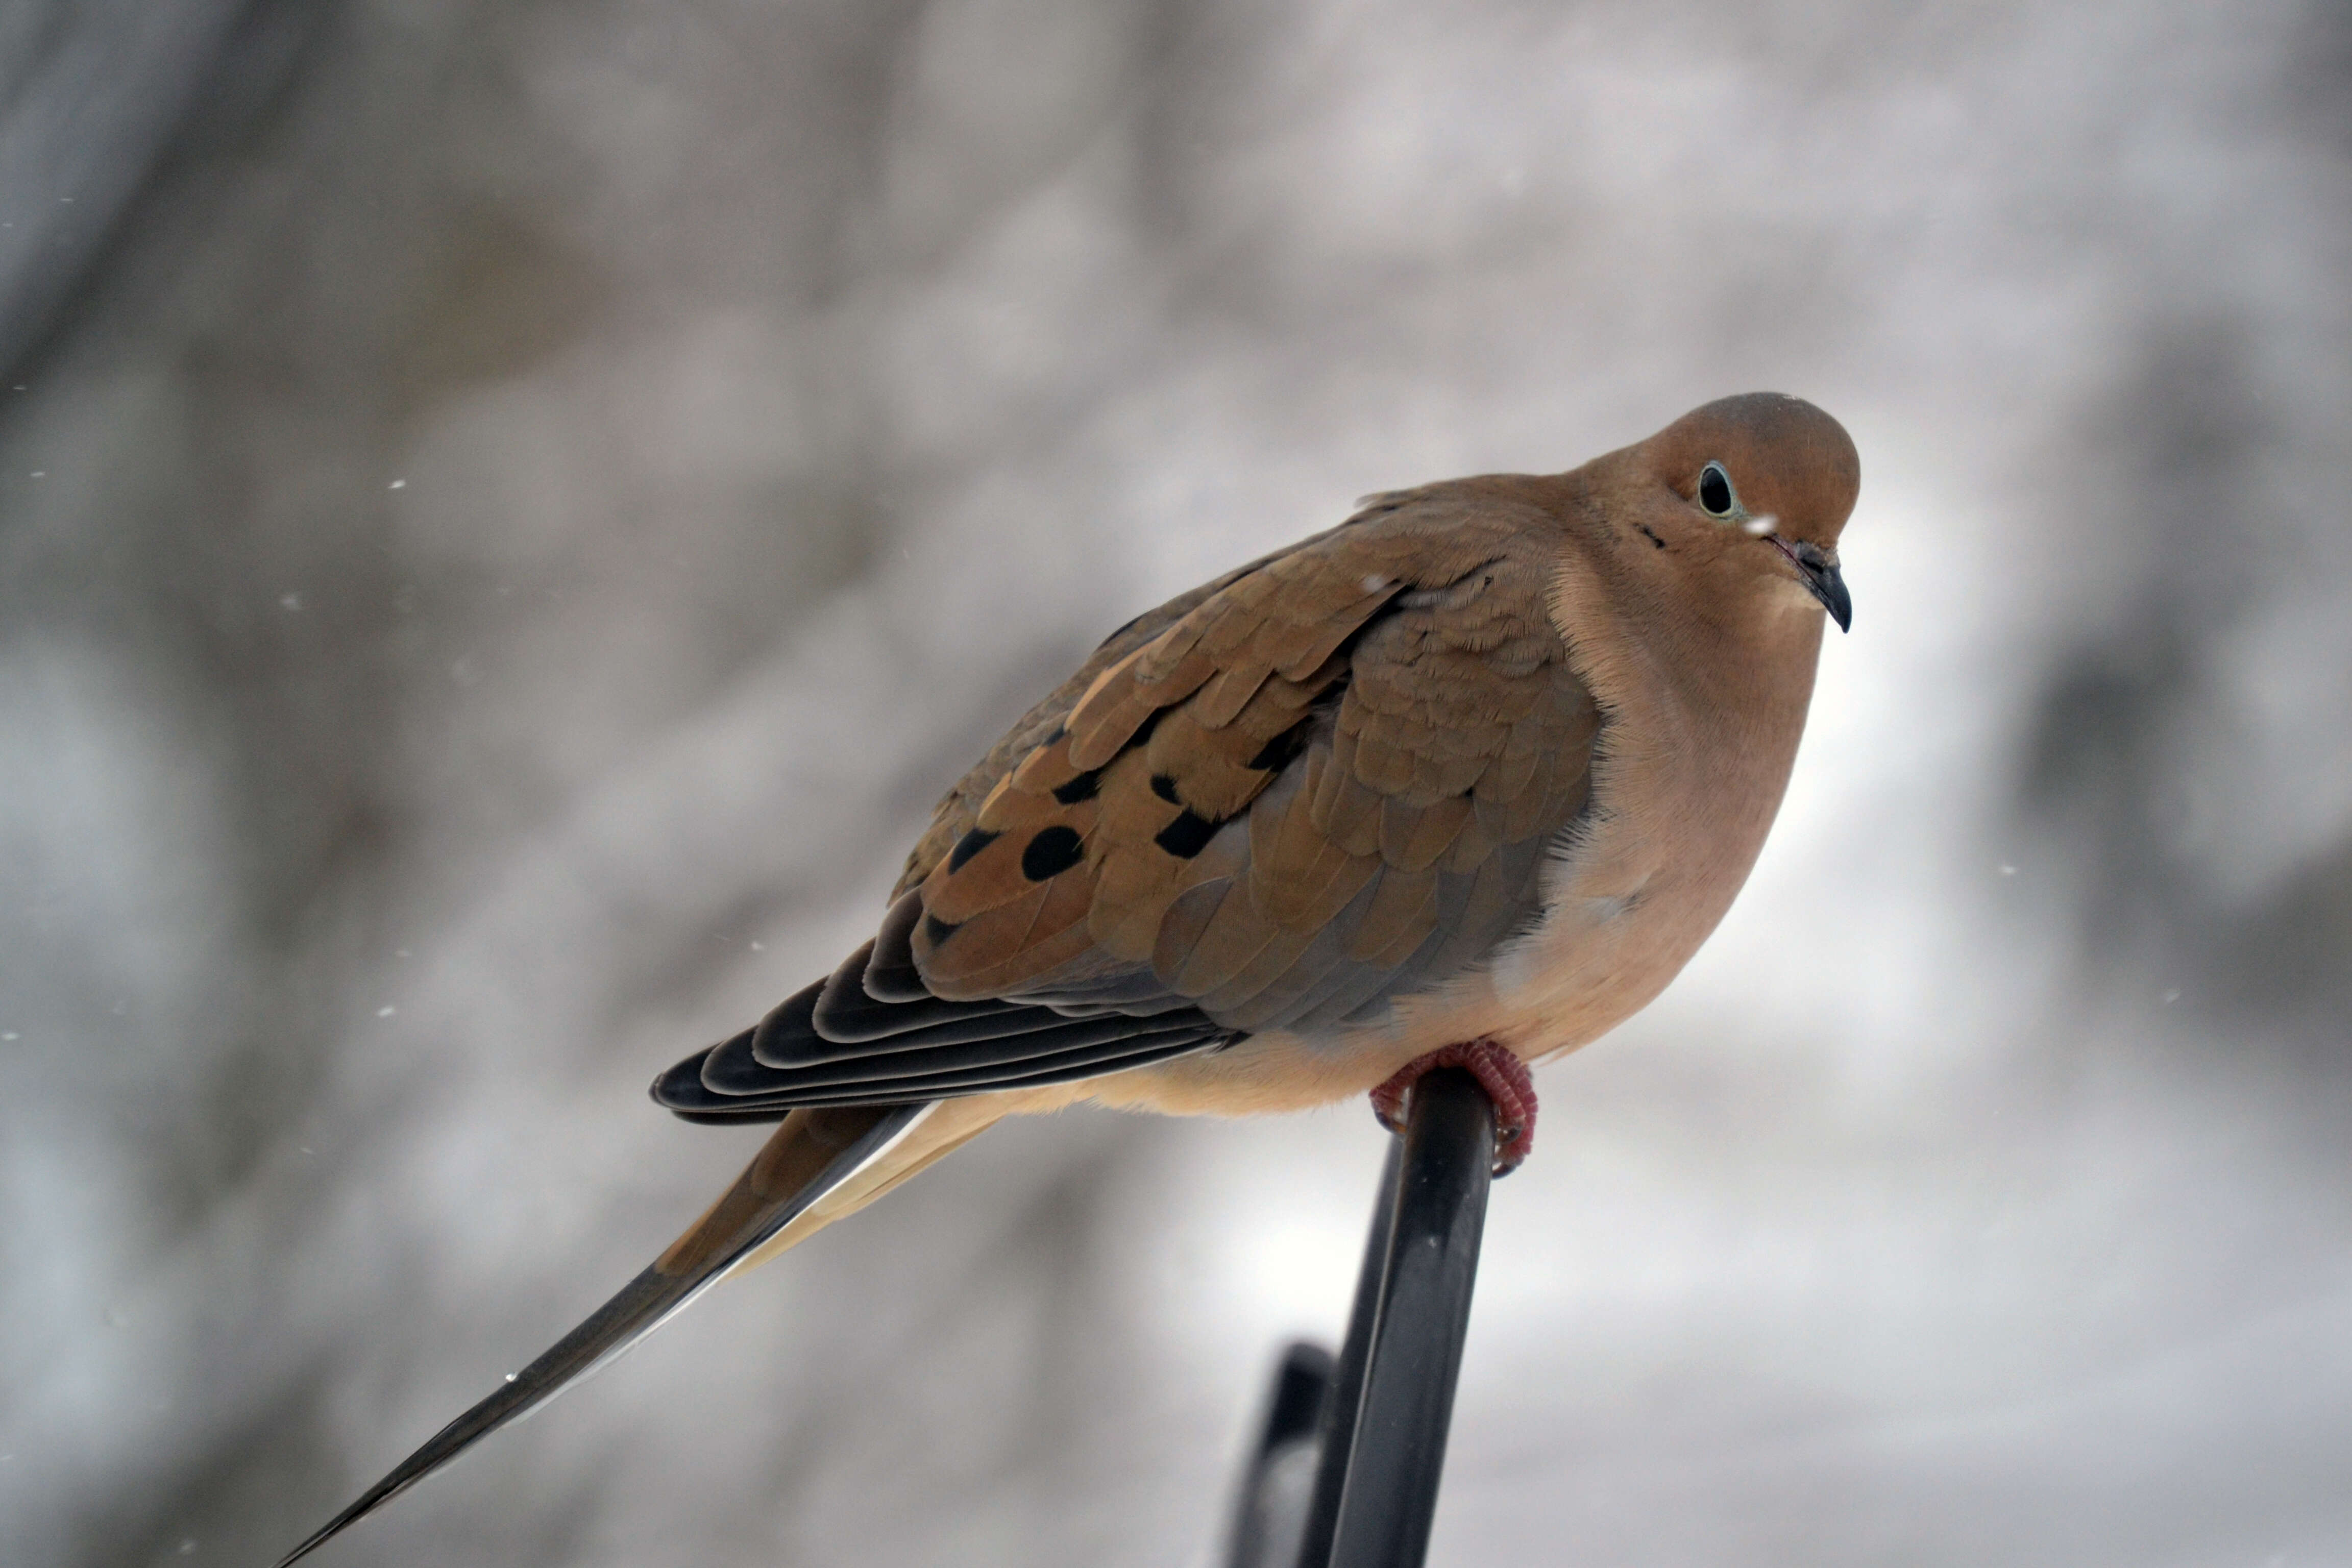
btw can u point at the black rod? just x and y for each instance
(1338, 1436)
(1271, 1503)
(1423, 1314)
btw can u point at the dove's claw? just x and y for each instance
(1500, 1071)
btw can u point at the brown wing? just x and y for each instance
(959, 807)
(1332, 775)
(1324, 781)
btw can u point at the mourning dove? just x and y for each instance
(1464, 781)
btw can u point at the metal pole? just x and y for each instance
(1423, 1316)
(1271, 1507)
(1337, 1439)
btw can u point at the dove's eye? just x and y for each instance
(1714, 490)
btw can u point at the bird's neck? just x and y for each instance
(1702, 655)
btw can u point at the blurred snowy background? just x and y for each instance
(509, 513)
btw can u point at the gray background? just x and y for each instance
(510, 512)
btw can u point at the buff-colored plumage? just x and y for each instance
(1484, 763)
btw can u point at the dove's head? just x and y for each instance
(1757, 485)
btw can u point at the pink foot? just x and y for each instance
(1500, 1071)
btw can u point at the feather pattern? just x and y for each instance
(1284, 800)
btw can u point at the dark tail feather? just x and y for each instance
(814, 1154)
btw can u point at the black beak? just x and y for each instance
(1820, 575)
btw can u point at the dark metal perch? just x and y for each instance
(1389, 1399)
(1272, 1505)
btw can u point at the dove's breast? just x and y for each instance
(1685, 789)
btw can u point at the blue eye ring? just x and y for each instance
(1716, 497)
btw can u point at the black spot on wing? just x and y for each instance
(1188, 835)
(1164, 786)
(1083, 787)
(970, 845)
(1052, 852)
(1281, 751)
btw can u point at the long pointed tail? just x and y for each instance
(813, 1154)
